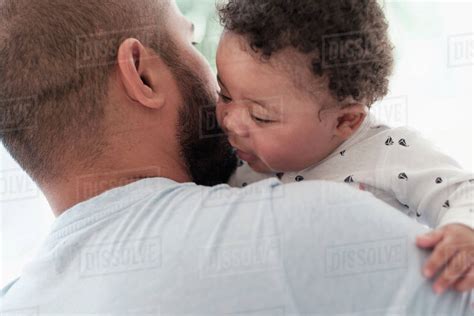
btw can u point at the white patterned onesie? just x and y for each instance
(398, 166)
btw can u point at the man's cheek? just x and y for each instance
(204, 68)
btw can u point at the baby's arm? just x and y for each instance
(428, 181)
(442, 193)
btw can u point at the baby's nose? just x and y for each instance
(235, 123)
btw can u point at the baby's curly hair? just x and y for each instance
(346, 40)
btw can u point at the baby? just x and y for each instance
(297, 81)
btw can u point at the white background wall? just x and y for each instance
(431, 91)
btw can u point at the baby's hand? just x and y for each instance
(454, 251)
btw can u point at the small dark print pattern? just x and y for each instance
(389, 141)
(240, 163)
(343, 153)
(244, 184)
(299, 178)
(403, 176)
(280, 175)
(439, 180)
(403, 143)
(349, 179)
(447, 204)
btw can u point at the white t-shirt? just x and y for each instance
(156, 247)
(398, 166)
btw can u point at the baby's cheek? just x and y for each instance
(288, 157)
(274, 154)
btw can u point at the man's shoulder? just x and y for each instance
(309, 193)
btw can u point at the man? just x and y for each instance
(105, 105)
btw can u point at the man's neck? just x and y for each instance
(82, 186)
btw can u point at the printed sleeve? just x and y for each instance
(426, 180)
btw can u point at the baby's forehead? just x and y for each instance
(236, 49)
(286, 70)
(297, 69)
(295, 65)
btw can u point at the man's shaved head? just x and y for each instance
(56, 59)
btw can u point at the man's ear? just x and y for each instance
(349, 119)
(135, 65)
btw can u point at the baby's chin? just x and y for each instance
(260, 167)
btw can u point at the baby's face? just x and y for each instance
(274, 125)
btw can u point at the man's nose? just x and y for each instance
(235, 121)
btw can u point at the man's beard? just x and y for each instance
(204, 147)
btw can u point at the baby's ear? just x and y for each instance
(349, 119)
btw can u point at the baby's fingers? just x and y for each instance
(466, 283)
(440, 256)
(453, 272)
(429, 240)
